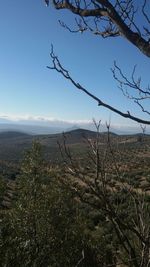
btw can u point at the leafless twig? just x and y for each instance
(65, 73)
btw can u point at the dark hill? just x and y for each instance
(81, 131)
(12, 134)
(76, 136)
(80, 135)
(13, 144)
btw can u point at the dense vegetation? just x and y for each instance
(91, 210)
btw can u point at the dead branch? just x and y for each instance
(65, 73)
(110, 19)
(95, 190)
(132, 88)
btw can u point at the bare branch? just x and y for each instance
(144, 12)
(59, 68)
(137, 94)
(116, 19)
(96, 191)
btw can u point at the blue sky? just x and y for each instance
(29, 89)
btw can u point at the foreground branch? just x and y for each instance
(111, 18)
(136, 93)
(59, 68)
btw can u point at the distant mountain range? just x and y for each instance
(29, 129)
(14, 143)
(41, 126)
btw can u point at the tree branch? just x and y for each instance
(59, 68)
(118, 14)
(138, 94)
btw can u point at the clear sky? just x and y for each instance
(28, 88)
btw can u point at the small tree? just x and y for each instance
(44, 227)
